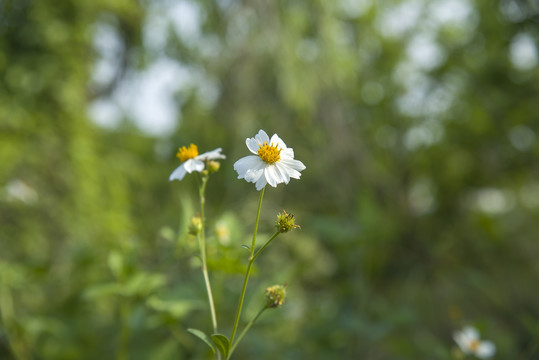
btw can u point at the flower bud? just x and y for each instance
(285, 222)
(213, 166)
(275, 296)
(195, 226)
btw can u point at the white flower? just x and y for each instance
(18, 190)
(273, 162)
(191, 161)
(468, 341)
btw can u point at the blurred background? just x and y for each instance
(417, 121)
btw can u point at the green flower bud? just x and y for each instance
(195, 226)
(275, 296)
(213, 166)
(285, 222)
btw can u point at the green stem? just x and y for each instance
(248, 271)
(7, 322)
(252, 259)
(244, 331)
(202, 243)
(125, 331)
(265, 245)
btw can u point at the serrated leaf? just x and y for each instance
(221, 343)
(202, 336)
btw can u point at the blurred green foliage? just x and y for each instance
(419, 208)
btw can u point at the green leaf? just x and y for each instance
(144, 283)
(202, 336)
(222, 343)
(246, 247)
(175, 308)
(116, 264)
(103, 290)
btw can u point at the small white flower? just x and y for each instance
(468, 341)
(273, 162)
(192, 161)
(18, 190)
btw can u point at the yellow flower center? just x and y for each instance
(269, 153)
(474, 345)
(186, 153)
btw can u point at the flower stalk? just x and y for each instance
(265, 245)
(248, 271)
(275, 296)
(247, 327)
(202, 245)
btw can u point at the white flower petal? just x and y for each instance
(485, 350)
(294, 174)
(462, 342)
(469, 333)
(193, 165)
(283, 171)
(243, 165)
(262, 137)
(272, 175)
(277, 173)
(252, 175)
(250, 168)
(211, 155)
(252, 145)
(288, 152)
(178, 173)
(294, 165)
(277, 141)
(261, 183)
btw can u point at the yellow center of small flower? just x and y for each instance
(474, 345)
(186, 153)
(269, 153)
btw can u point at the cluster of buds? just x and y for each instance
(275, 296)
(211, 167)
(285, 222)
(195, 226)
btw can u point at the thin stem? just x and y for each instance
(125, 331)
(265, 245)
(252, 259)
(7, 320)
(202, 243)
(248, 271)
(245, 330)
